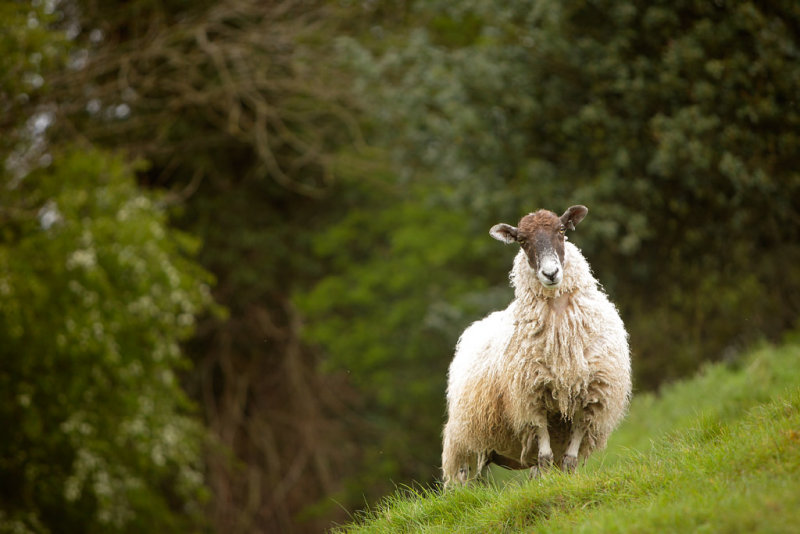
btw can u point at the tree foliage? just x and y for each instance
(388, 311)
(676, 123)
(238, 110)
(97, 294)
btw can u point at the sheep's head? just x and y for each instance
(541, 236)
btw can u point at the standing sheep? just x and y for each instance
(551, 373)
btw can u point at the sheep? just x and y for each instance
(547, 379)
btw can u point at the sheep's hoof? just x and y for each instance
(545, 462)
(569, 463)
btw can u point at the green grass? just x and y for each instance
(717, 453)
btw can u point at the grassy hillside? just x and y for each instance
(717, 453)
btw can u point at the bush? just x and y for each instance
(97, 292)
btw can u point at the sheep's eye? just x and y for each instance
(562, 230)
(522, 242)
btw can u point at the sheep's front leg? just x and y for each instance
(570, 460)
(545, 452)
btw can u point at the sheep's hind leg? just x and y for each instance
(527, 446)
(463, 474)
(534, 472)
(482, 464)
(570, 461)
(456, 460)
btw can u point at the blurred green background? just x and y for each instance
(239, 239)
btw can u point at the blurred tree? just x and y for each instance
(30, 50)
(387, 312)
(97, 293)
(675, 122)
(239, 110)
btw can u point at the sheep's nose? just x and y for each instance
(551, 275)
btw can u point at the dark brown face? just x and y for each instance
(541, 236)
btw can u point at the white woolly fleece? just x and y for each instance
(553, 354)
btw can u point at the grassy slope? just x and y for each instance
(718, 453)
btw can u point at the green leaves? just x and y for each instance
(391, 301)
(97, 295)
(675, 124)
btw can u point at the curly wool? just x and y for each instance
(551, 354)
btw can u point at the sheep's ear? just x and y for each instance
(504, 232)
(573, 216)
